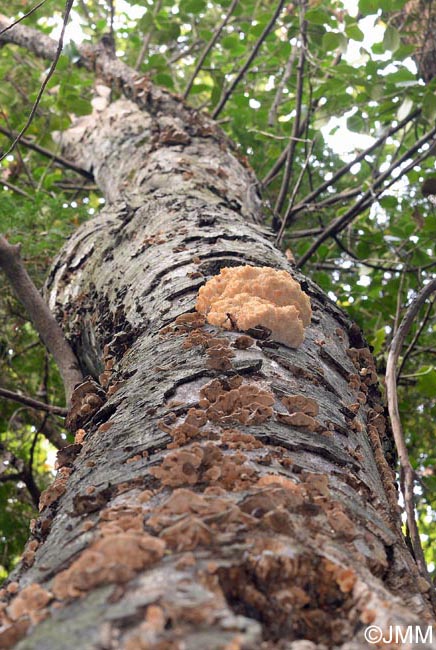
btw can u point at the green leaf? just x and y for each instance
(378, 340)
(368, 7)
(356, 123)
(429, 106)
(164, 79)
(391, 39)
(334, 41)
(234, 44)
(317, 16)
(427, 381)
(194, 6)
(354, 32)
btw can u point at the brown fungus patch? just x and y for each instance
(205, 463)
(301, 403)
(31, 602)
(299, 420)
(115, 558)
(245, 297)
(245, 403)
(56, 489)
(291, 592)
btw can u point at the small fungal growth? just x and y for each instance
(244, 297)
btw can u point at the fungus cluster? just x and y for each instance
(243, 403)
(248, 296)
(115, 558)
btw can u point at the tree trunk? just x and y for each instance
(167, 527)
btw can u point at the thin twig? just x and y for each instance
(49, 154)
(20, 157)
(32, 403)
(304, 124)
(416, 337)
(346, 168)
(41, 316)
(15, 189)
(370, 195)
(111, 20)
(209, 46)
(294, 194)
(68, 5)
(296, 125)
(28, 13)
(147, 37)
(272, 114)
(407, 473)
(226, 95)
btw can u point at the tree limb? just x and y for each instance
(416, 337)
(296, 126)
(407, 472)
(32, 403)
(280, 88)
(28, 13)
(208, 47)
(370, 195)
(15, 189)
(226, 95)
(46, 152)
(346, 168)
(41, 316)
(68, 6)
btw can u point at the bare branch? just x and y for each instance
(294, 193)
(407, 482)
(209, 47)
(46, 152)
(226, 95)
(304, 124)
(296, 126)
(28, 13)
(15, 189)
(416, 337)
(42, 318)
(49, 74)
(147, 37)
(280, 88)
(370, 195)
(346, 168)
(33, 403)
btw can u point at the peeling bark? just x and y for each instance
(172, 524)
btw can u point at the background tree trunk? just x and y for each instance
(168, 529)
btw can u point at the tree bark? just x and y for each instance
(167, 527)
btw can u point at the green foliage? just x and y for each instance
(354, 86)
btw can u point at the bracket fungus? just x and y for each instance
(248, 296)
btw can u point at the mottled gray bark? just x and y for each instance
(289, 533)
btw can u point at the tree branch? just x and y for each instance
(346, 168)
(42, 318)
(369, 196)
(296, 126)
(15, 189)
(209, 47)
(46, 152)
(28, 13)
(226, 95)
(68, 5)
(32, 403)
(280, 88)
(407, 472)
(416, 337)
(147, 37)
